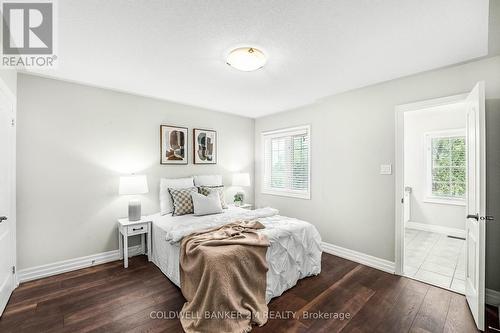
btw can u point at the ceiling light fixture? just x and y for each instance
(246, 59)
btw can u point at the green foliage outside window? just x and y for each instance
(448, 167)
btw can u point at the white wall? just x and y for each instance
(9, 79)
(352, 134)
(75, 141)
(416, 125)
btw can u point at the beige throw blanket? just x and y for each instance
(223, 278)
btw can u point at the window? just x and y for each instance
(287, 158)
(447, 169)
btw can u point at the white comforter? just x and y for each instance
(294, 253)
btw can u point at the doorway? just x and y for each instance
(435, 189)
(440, 187)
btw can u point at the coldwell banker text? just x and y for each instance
(28, 34)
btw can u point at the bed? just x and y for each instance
(294, 252)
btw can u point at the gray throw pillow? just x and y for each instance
(205, 205)
(206, 190)
(182, 201)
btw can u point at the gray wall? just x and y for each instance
(493, 190)
(75, 141)
(494, 28)
(352, 134)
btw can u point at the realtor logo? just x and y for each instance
(28, 34)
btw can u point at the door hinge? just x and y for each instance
(13, 269)
(402, 200)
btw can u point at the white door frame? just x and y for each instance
(13, 210)
(399, 166)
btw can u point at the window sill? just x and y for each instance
(290, 194)
(444, 201)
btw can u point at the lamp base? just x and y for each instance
(134, 210)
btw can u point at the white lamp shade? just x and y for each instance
(241, 179)
(136, 184)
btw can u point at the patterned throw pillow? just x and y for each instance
(181, 198)
(206, 190)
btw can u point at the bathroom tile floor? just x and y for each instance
(435, 259)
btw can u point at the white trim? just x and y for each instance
(444, 201)
(298, 129)
(399, 193)
(287, 193)
(359, 257)
(455, 232)
(432, 103)
(399, 166)
(64, 266)
(492, 297)
(452, 132)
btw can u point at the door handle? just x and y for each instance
(3, 218)
(482, 218)
(473, 216)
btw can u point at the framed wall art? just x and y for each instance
(204, 146)
(173, 145)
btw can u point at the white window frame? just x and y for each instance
(276, 134)
(429, 197)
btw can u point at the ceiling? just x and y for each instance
(175, 49)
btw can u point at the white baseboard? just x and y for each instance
(436, 228)
(64, 266)
(362, 258)
(492, 297)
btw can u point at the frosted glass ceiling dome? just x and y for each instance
(246, 59)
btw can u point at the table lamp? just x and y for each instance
(133, 185)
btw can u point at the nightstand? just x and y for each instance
(128, 228)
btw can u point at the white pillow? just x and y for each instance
(208, 180)
(166, 205)
(205, 205)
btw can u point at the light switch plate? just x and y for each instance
(386, 169)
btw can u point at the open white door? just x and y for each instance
(7, 226)
(476, 204)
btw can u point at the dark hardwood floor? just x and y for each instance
(109, 298)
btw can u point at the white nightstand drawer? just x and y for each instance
(137, 229)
